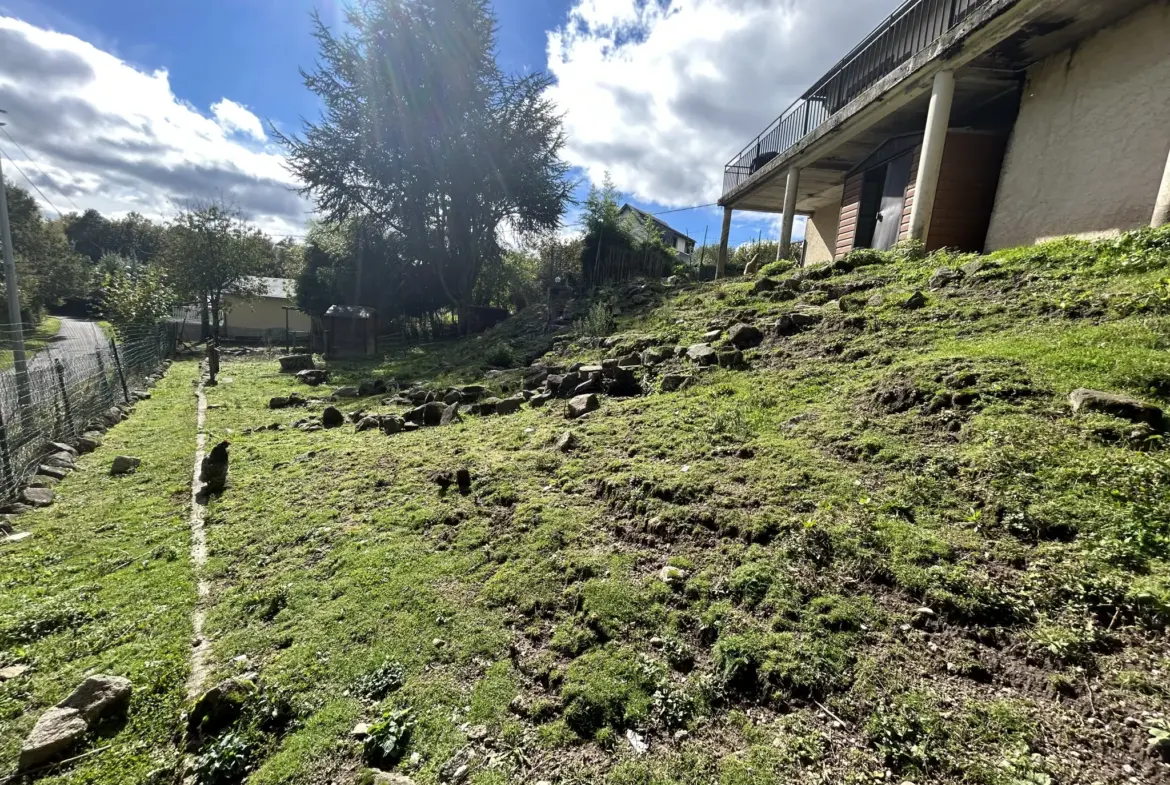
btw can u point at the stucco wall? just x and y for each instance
(263, 314)
(1089, 147)
(820, 233)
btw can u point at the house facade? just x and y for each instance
(269, 317)
(635, 220)
(974, 125)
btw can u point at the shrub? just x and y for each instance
(599, 322)
(381, 681)
(226, 759)
(388, 737)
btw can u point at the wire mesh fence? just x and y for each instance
(73, 383)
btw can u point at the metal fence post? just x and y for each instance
(60, 369)
(121, 373)
(6, 458)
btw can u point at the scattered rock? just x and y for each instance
(673, 382)
(876, 301)
(745, 336)
(368, 387)
(37, 497)
(360, 731)
(439, 643)
(538, 401)
(60, 460)
(681, 735)
(219, 707)
(346, 392)
(454, 396)
(19, 536)
(56, 731)
(98, 697)
(1117, 406)
(313, 377)
(463, 480)
(656, 356)
(88, 442)
(372, 423)
(672, 576)
(732, 359)
(567, 442)
(55, 447)
(798, 319)
(712, 335)
(702, 354)
(915, 301)
(379, 777)
(296, 362)
(429, 414)
(52, 472)
(637, 742)
(392, 424)
(582, 405)
(624, 383)
(450, 415)
(944, 276)
(973, 267)
(477, 733)
(764, 285)
(332, 417)
(632, 360)
(124, 464)
(13, 672)
(509, 405)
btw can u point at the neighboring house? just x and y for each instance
(975, 125)
(264, 317)
(635, 220)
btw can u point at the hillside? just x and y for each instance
(875, 544)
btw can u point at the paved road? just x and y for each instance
(76, 336)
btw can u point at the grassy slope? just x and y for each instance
(104, 586)
(795, 649)
(1037, 540)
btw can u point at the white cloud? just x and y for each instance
(661, 93)
(109, 136)
(237, 118)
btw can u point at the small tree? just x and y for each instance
(134, 298)
(605, 230)
(212, 252)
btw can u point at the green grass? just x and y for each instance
(900, 556)
(104, 585)
(38, 339)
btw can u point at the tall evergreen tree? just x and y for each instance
(422, 135)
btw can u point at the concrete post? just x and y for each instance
(1162, 205)
(721, 264)
(938, 120)
(790, 194)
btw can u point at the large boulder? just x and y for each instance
(624, 384)
(745, 336)
(346, 392)
(656, 355)
(510, 405)
(124, 464)
(392, 424)
(88, 441)
(673, 382)
(55, 732)
(582, 405)
(314, 377)
(702, 354)
(61, 460)
(370, 423)
(219, 707)
(37, 497)
(98, 697)
(450, 415)
(1084, 400)
(296, 362)
(427, 414)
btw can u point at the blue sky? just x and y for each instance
(638, 103)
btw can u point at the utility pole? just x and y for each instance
(19, 361)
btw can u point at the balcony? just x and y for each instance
(907, 32)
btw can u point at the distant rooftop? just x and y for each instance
(273, 288)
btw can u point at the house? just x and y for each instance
(269, 316)
(974, 125)
(635, 221)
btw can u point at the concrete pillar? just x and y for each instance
(790, 194)
(938, 120)
(1162, 204)
(721, 265)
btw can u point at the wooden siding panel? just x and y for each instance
(850, 207)
(967, 184)
(904, 232)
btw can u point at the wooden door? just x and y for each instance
(889, 218)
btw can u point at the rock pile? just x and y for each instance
(65, 724)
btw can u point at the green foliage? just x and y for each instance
(135, 297)
(599, 322)
(226, 759)
(443, 181)
(48, 269)
(606, 687)
(381, 681)
(500, 356)
(388, 736)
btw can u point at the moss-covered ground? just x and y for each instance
(883, 550)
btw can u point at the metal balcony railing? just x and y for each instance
(909, 30)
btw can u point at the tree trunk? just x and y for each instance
(204, 322)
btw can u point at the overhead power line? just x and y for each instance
(30, 182)
(32, 161)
